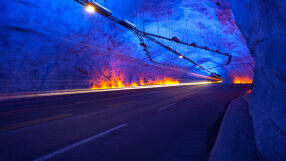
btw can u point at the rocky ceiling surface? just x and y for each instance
(58, 45)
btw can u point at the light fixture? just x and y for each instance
(181, 56)
(90, 9)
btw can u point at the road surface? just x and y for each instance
(156, 124)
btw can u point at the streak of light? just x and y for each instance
(81, 91)
(202, 76)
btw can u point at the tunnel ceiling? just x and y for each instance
(46, 40)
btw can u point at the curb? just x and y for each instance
(235, 140)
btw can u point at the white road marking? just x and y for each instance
(163, 108)
(48, 156)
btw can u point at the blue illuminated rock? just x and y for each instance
(263, 24)
(48, 45)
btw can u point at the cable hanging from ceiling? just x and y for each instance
(93, 6)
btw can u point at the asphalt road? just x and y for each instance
(160, 124)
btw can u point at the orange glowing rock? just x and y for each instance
(133, 84)
(242, 80)
(116, 80)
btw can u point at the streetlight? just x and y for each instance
(90, 9)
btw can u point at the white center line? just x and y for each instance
(163, 108)
(79, 143)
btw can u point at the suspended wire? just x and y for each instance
(136, 12)
(157, 20)
(218, 66)
(169, 25)
(143, 18)
(123, 8)
(143, 34)
(92, 46)
(187, 27)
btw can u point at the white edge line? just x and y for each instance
(163, 108)
(45, 157)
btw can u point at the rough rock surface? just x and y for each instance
(263, 24)
(46, 45)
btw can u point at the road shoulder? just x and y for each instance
(235, 140)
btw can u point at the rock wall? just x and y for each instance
(47, 45)
(263, 24)
(51, 45)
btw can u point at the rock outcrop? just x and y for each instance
(263, 24)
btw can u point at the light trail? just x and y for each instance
(82, 91)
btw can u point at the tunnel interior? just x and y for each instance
(57, 45)
(52, 45)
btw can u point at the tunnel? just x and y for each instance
(145, 80)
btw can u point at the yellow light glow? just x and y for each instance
(181, 56)
(242, 80)
(90, 9)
